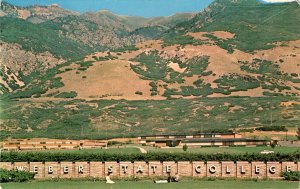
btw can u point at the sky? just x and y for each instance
(145, 8)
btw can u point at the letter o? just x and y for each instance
(212, 169)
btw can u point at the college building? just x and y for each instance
(51, 144)
(201, 139)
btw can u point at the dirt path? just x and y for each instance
(143, 151)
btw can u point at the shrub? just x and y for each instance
(139, 93)
(271, 128)
(15, 176)
(185, 147)
(151, 156)
(291, 176)
(71, 94)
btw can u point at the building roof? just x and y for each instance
(194, 140)
(160, 135)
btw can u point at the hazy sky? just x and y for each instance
(146, 8)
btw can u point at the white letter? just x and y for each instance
(212, 169)
(257, 170)
(168, 169)
(139, 169)
(288, 169)
(80, 169)
(227, 170)
(198, 169)
(66, 170)
(50, 169)
(20, 168)
(153, 167)
(35, 169)
(243, 170)
(272, 169)
(109, 169)
(124, 167)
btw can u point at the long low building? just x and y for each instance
(50, 144)
(204, 139)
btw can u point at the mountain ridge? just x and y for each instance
(205, 74)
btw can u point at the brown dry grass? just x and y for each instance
(115, 80)
(23, 14)
(107, 80)
(223, 35)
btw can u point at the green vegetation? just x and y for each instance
(139, 93)
(15, 176)
(234, 82)
(38, 83)
(224, 44)
(229, 150)
(271, 128)
(40, 38)
(84, 65)
(291, 176)
(153, 67)
(191, 184)
(185, 148)
(108, 57)
(153, 89)
(116, 149)
(156, 67)
(71, 94)
(10, 81)
(255, 25)
(175, 39)
(126, 48)
(121, 118)
(151, 156)
(56, 83)
(150, 32)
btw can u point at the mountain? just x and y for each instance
(256, 25)
(227, 67)
(49, 35)
(35, 14)
(216, 53)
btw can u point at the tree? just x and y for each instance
(298, 133)
(185, 147)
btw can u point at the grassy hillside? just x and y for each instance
(40, 38)
(255, 25)
(243, 51)
(121, 118)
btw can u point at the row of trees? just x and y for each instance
(161, 156)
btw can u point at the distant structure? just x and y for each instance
(51, 144)
(54, 5)
(202, 139)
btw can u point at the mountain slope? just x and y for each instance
(197, 58)
(211, 73)
(256, 25)
(38, 32)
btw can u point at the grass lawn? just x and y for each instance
(133, 149)
(151, 185)
(129, 150)
(232, 150)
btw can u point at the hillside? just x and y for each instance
(229, 67)
(256, 26)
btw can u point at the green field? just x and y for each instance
(231, 150)
(129, 150)
(134, 149)
(151, 185)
